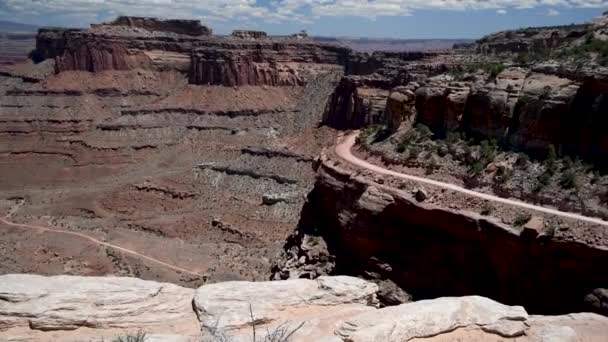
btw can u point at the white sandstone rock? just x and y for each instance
(320, 304)
(69, 303)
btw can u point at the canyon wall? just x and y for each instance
(351, 225)
(179, 26)
(263, 62)
(246, 58)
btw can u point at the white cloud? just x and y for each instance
(552, 12)
(274, 11)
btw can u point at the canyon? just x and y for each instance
(153, 168)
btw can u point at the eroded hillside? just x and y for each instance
(115, 134)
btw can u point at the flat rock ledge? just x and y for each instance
(328, 309)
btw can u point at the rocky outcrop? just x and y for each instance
(544, 102)
(379, 233)
(332, 309)
(400, 106)
(318, 304)
(70, 303)
(357, 101)
(273, 63)
(50, 42)
(440, 104)
(490, 105)
(531, 39)
(179, 26)
(246, 58)
(245, 34)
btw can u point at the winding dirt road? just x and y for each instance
(100, 243)
(343, 150)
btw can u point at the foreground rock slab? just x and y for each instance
(328, 309)
(37, 303)
(317, 304)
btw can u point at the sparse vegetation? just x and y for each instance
(487, 209)
(281, 333)
(523, 161)
(521, 219)
(568, 179)
(368, 133)
(136, 337)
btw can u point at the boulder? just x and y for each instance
(320, 304)
(597, 301)
(399, 107)
(70, 303)
(432, 317)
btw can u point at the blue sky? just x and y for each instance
(368, 18)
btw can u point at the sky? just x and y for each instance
(358, 18)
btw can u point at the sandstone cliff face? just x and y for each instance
(50, 42)
(179, 26)
(489, 109)
(357, 101)
(248, 58)
(362, 97)
(382, 233)
(440, 104)
(265, 62)
(533, 39)
(332, 309)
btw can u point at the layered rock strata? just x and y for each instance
(352, 225)
(245, 58)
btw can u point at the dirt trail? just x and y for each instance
(343, 150)
(100, 243)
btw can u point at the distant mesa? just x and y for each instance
(179, 26)
(249, 34)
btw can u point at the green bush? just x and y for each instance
(424, 132)
(522, 161)
(551, 161)
(414, 152)
(568, 179)
(368, 133)
(521, 219)
(487, 209)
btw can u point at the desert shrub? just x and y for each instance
(432, 166)
(521, 219)
(137, 337)
(522, 161)
(424, 132)
(414, 152)
(568, 179)
(368, 133)
(442, 150)
(495, 69)
(281, 333)
(523, 59)
(544, 179)
(487, 209)
(477, 167)
(488, 151)
(453, 138)
(546, 92)
(567, 163)
(503, 175)
(551, 160)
